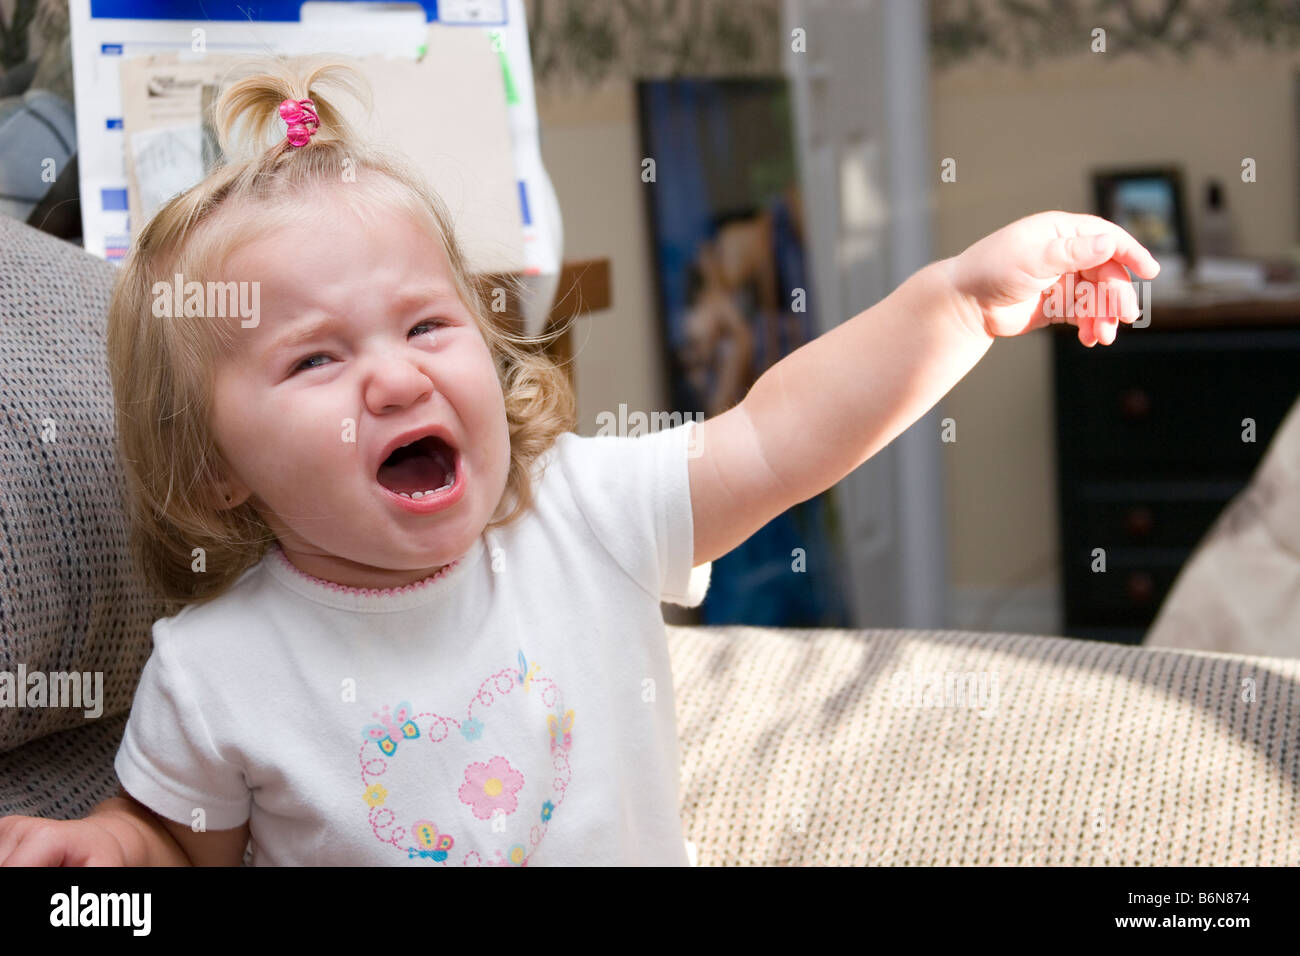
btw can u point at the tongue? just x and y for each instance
(416, 473)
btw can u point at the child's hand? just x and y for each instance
(35, 841)
(1007, 277)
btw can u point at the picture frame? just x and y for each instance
(733, 294)
(1149, 203)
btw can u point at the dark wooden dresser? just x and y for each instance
(1149, 444)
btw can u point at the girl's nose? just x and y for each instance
(396, 383)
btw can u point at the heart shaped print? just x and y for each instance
(499, 774)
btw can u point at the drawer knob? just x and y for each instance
(1139, 522)
(1140, 587)
(1135, 404)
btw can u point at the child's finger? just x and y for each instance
(1115, 299)
(1132, 305)
(1128, 305)
(1106, 329)
(1087, 330)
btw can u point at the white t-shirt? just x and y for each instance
(515, 709)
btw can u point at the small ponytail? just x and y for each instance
(247, 116)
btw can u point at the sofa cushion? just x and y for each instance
(62, 776)
(835, 747)
(1239, 592)
(70, 600)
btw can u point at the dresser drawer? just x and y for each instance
(1129, 592)
(1149, 454)
(1169, 402)
(1162, 514)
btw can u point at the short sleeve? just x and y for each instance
(167, 759)
(635, 493)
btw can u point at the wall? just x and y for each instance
(1024, 141)
(591, 150)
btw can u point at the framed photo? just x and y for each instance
(734, 297)
(1148, 202)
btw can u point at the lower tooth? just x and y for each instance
(421, 494)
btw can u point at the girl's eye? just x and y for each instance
(303, 366)
(432, 323)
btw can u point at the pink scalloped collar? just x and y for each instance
(363, 592)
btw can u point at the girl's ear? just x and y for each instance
(231, 495)
(227, 492)
(232, 500)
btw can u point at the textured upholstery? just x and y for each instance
(62, 776)
(798, 746)
(1239, 592)
(69, 598)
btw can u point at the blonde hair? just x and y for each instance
(163, 370)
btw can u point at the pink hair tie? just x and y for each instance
(302, 120)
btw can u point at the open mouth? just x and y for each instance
(424, 467)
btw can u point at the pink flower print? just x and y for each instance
(491, 786)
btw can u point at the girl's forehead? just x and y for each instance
(319, 251)
(331, 260)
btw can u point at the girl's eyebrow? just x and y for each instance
(299, 333)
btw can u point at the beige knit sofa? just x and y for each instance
(799, 746)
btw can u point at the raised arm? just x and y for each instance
(828, 406)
